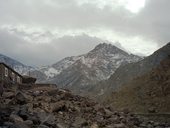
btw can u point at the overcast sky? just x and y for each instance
(42, 32)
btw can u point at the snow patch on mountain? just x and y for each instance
(98, 64)
(89, 62)
(51, 72)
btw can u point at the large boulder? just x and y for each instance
(16, 118)
(58, 106)
(21, 98)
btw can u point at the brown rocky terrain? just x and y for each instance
(149, 93)
(46, 106)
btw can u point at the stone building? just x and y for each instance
(9, 75)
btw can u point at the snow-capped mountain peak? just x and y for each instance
(96, 65)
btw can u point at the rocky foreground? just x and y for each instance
(42, 106)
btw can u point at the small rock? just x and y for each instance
(43, 126)
(150, 126)
(47, 119)
(58, 106)
(60, 126)
(35, 120)
(36, 93)
(61, 113)
(23, 113)
(28, 122)
(21, 98)
(79, 121)
(99, 118)
(77, 109)
(114, 119)
(9, 95)
(109, 126)
(21, 125)
(8, 124)
(121, 125)
(108, 113)
(152, 110)
(94, 125)
(15, 118)
(8, 101)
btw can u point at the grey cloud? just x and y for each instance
(151, 23)
(65, 14)
(46, 53)
(118, 44)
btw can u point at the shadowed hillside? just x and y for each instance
(148, 93)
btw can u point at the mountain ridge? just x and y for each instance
(82, 70)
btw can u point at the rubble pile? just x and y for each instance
(50, 107)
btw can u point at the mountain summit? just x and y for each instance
(107, 49)
(79, 71)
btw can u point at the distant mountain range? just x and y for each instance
(111, 75)
(77, 72)
(16, 65)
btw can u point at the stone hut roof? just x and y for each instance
(1, 63)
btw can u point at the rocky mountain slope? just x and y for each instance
(147, 93)
(127, 72)
(17, 66)
(78, 71)
(46, 106)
